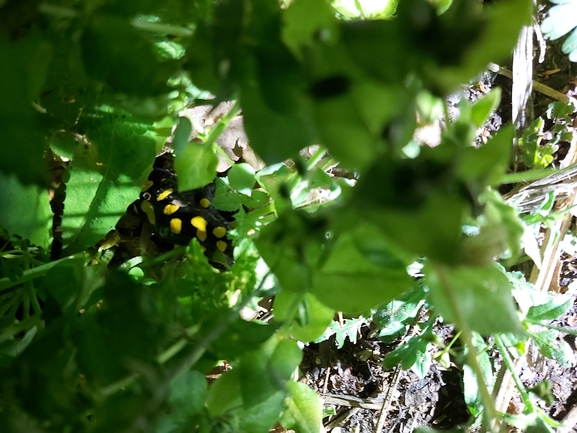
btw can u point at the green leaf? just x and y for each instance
(560, 20)
(555, 308)
(25, 211)
(348, 282)
(470, 385)
(289, 132)
(21, 81)
(482, 108)
(479, 295)
(242, 178)
(304, 411)
(264, 372)
(105, 177)
(115, 53)
(304, 20)
(195, 166)
(224, 393)
(188, 393)
(497, 35)
(350, 328)
(554, 348)
(412, 351)
(485, 165)
(310, 318)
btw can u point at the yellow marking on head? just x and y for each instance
(176, 225)
(201, 235)
(219, 232)
(204, 202)
(148, 209)
(164, 194)
(221, 245)
(147, 185)
(199, 222)
(169, 209)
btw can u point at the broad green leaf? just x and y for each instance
(412, 351)
(483, 107)
(25, 211)
(351, 124)
(560, 20)
(242, 336)
(399, 311)
(500, 230)
(188, 393)
(498, 34)
(264, 372)
(485, 165)
(350, 328)
(292, 246)
(471, 386)
(21, 81)
(105, 177)
(304, 411)
(289, 132)
(555, 308)
(224, 393)
(348, 282)
(481, 296)
(305, 20)
(310, 318)
(242, 178)
(195, 166)
(115, 53)
(181, 136)
(552, 347)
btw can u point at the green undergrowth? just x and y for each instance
(95, 337)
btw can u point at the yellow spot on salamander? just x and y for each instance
(164, 194)
(199, 222)
(147, 185)
(219, 232)
(201, 235)
(221, 245)
(148, 209)
(169, 209)
(204, 202)
(176, 225)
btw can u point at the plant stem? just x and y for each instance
(491, 415)
(509, 364)
(567, 331)
(219, 129)
(7, 285)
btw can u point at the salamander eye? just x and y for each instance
(164, 194)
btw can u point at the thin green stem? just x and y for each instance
(314, 159)
(167, 29)
(556, 328)
(221, 125)
(490, 413)
(509, 364)
(161, 258)
(7, 285)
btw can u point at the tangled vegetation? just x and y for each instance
(104, 328)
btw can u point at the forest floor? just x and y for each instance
(362, 396)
